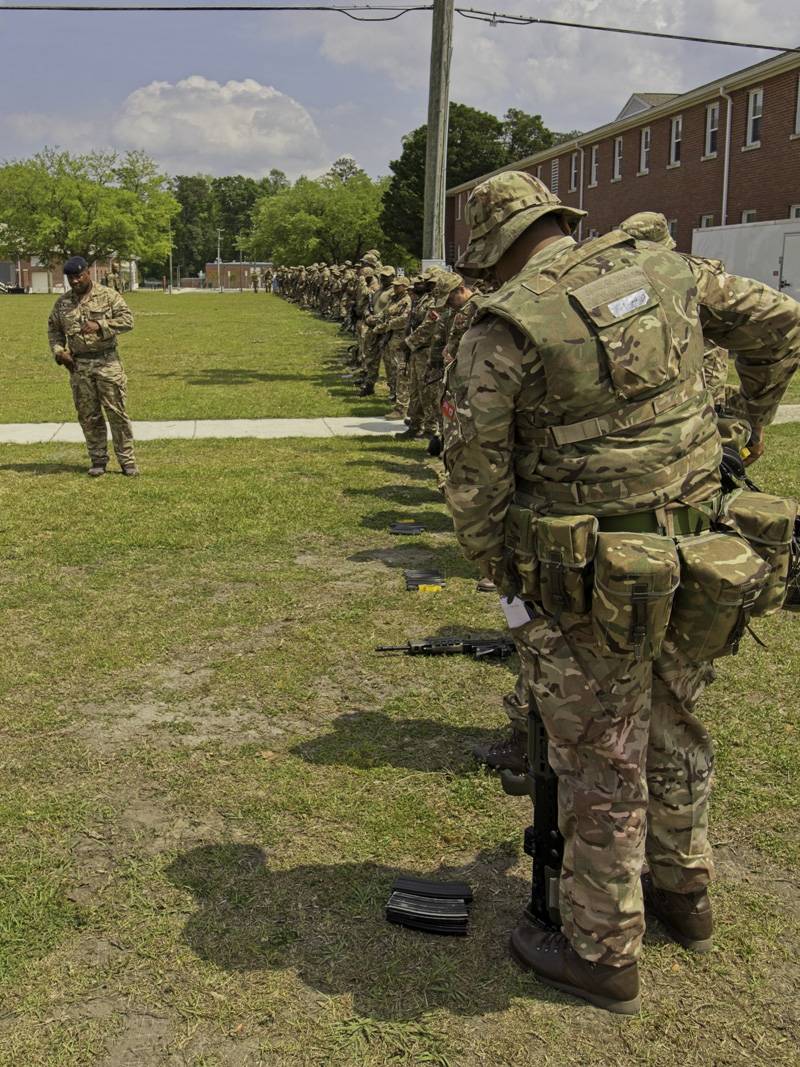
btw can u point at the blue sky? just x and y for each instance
(235, 92)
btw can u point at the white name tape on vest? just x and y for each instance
(626, 304)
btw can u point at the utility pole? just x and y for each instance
(219, 260)
(170, 255)
(436, 149)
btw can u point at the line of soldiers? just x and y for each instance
(265, 278)
(409, 324)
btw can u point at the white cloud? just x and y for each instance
(239, 127)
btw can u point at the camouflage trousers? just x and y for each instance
(100, 385)
(634, 767)
(423, 403)
(373, 354)
(397, 357)
(361, 340)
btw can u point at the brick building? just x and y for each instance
(727, 152)
(34, 276)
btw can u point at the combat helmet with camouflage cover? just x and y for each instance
(499, 211)
(648, 226)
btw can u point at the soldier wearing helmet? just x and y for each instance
(583, 449)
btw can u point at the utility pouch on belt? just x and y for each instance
(522, 563)
(721, 579)
(766, 523)
(565, 545)
(635, 578)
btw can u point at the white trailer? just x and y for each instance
(766, 251)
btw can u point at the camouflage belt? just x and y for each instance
(687, 521)
(103, 353)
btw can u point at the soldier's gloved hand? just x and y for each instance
(755, 447)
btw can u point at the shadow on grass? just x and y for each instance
(326, 922)
(369, 739)
(56, 467)
(433, 521)
(403, 493)
(229, 376)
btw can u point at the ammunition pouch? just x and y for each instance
(635, 579)
(565, 545)
(721, 579)
(767, 524)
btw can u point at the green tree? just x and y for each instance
(55, 205)
(477, 143)
(332, 218)
(195, 230)
(523, 135)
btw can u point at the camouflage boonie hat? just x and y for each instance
(401, 280)
(416, 279)
(500, 209)
(648, 226)
(446, 283)
(369, 260)
(431, 273)
(373, 252)
(385, 272)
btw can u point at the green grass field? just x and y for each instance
(209, 780)
(190, 356)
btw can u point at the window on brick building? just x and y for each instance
(573, 172)
(594, 164)
(754, 104)
(644, 151)
(539, 172)
(672, 226)
(794, 211)
(706, 221)
(554, 177)
(458, 206)
(748, 216)
(617, 158)
(675, 140)
(712, 129)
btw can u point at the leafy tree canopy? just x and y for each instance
(477, 143)
(332, 218)
(55, 205)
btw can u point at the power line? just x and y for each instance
(389, 13)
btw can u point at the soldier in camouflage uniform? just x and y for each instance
(113, 279)
(373, 349)
(423, 403)
(82, 333)
(391, 333)
(579, 402)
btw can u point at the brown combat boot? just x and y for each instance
(506, 755)
(686, 917)
(97, 469)
(556, 963)
(130, 470)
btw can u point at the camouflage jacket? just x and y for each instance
(425, 319)
(101, 305)
(395, 316)
(579, 388)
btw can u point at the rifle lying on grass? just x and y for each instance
(471, 646)
(543, 840)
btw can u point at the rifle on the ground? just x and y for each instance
(470, 646)
(543, 840)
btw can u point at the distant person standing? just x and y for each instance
(82, 332)
(114, 278)
(254, 280)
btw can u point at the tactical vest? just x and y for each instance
(626, 422)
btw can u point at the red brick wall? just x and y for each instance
(765, 179)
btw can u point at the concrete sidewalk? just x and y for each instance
(21, 433)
